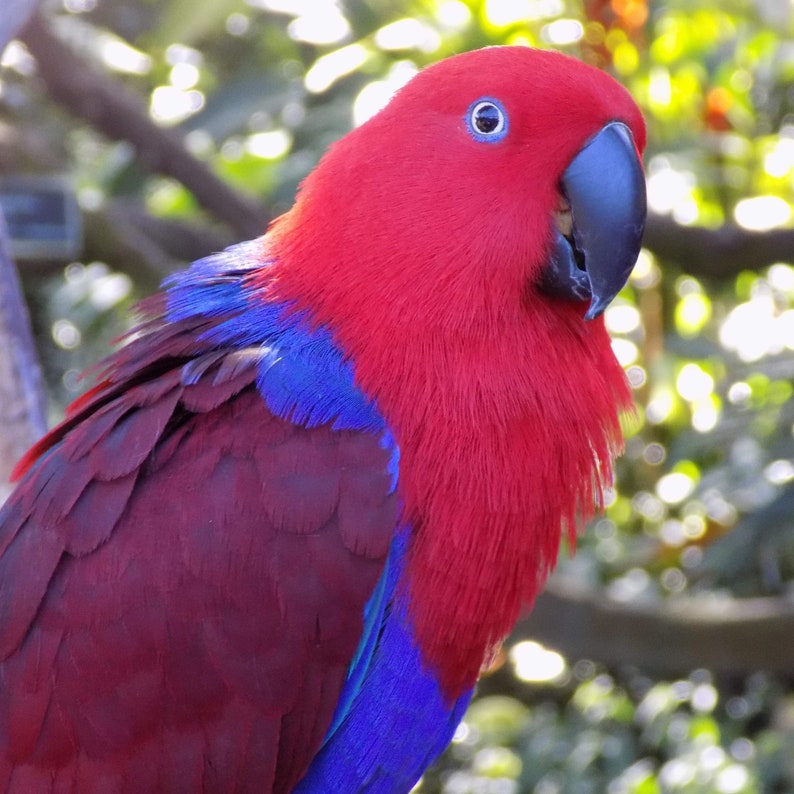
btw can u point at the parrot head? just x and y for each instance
(490, 174)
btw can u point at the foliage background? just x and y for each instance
(662, 658)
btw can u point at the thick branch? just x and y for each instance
(121, 115)
(717, 253)
(730, 637)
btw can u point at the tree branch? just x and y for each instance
(716, 253)
(728, 636)
(119, 114)
(147, 248)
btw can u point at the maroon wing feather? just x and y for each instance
(182, 582)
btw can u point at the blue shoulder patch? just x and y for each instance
(303, 376)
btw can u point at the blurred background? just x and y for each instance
(136, 135)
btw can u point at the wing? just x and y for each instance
(183, 578)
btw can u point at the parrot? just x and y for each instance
(274, 544)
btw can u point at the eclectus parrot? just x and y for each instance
(273, 547)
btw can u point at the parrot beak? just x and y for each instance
(600, 223)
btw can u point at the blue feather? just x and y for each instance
(303, 376)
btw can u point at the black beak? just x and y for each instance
(605, 187)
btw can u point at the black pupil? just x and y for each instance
(486, 118)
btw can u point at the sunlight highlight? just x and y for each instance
(781, 276)
(170, 105)
(660, 87)
(779, 161)
(626, 352)
(184, 75)
(673, 488)
(751, 329)
(327, 69)
(534, 662)
(562, 32)
(269, 145)
(692, 312)
(503, 13)
(779, 472)
(17, 57)
(660, 406)
(670, 192)
(315, 22)
(109, 290)
(621, 318)
(296, 7)
(694, 383)
(407, 34)
(762, 213)
(453, 15)
(324, 25)
(705, 414)
(646, 273)
(66, 334)
(121, 57)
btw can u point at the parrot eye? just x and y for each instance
(486, 120)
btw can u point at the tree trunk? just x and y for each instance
(22, 405)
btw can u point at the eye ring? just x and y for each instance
(486, 120)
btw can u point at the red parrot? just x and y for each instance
(272, 548)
